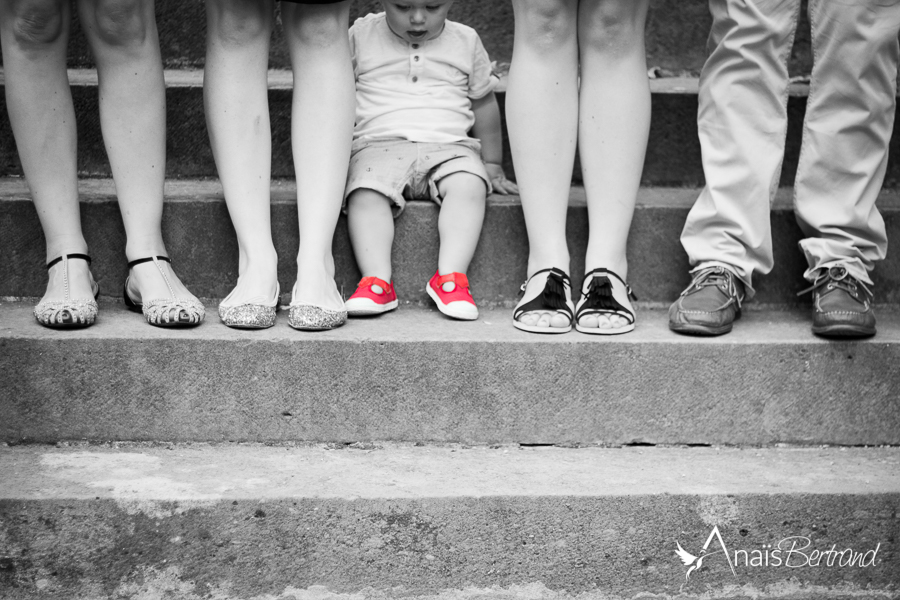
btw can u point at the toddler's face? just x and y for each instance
(416, 20)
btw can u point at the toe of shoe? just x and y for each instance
(465, 311)
(701, 322)
(844, 323)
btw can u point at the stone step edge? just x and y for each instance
(282, 79)
(283, 191)
(472, 382)
(208, 474)
(414, 324)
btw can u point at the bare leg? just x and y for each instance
(123, 38)
(235, 93)
(34, 35)
(321, 134)
(371, 225)
(542, 114)
(460, 221)
(614, 124)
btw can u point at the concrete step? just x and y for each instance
(676, 34)
(201, 241)
(386, 521)
(673, 154)
(415, 375)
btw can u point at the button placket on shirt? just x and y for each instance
(415, 62)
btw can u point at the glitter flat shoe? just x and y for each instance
(165, 312)
(308, 317)
(69, 313)
(250, 315)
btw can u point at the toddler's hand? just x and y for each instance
(500, 183)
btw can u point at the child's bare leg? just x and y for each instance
(614, 124)
(235, 94)
(34, 35)
(542, 115)
(123, 38)
(459, 224)
(321, 133)
(371, 225)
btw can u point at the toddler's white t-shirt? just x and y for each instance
(418, 91)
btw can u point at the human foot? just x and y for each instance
(605, 304)
(546, 305)
(709, 305)
(253, 302)
(153, 288)
(316, 303)
(257, 280)
(452, 296)
(70, 299)
(373, 296)
(842, 305)
(315, 285)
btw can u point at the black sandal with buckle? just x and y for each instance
(554, 297)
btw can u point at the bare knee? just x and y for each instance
(545, 22)
(239, 22)
(613, 26)
(316, 26)
(122, 22)
(38, 22)
(467, 187)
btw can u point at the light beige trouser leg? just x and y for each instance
(849, 120)
(742, 122)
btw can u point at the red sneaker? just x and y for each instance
(366, 302)
(458, 303)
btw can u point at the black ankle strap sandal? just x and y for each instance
(58, 259)
(555, 297)
(141, 261)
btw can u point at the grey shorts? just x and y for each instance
(404, 170)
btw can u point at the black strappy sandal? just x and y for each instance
(556, 296)
(605, 293)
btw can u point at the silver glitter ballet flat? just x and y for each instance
(165, 312)
(249, 316)
(69, 313)
(308, 317)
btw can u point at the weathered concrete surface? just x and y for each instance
(414, 375)
(409, 522)
(673, 157)
(202, 243)
(676, 34)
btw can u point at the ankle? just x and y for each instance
(56, 250)
(256, 259)
(556, 261)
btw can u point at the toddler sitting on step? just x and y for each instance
(422, 83)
